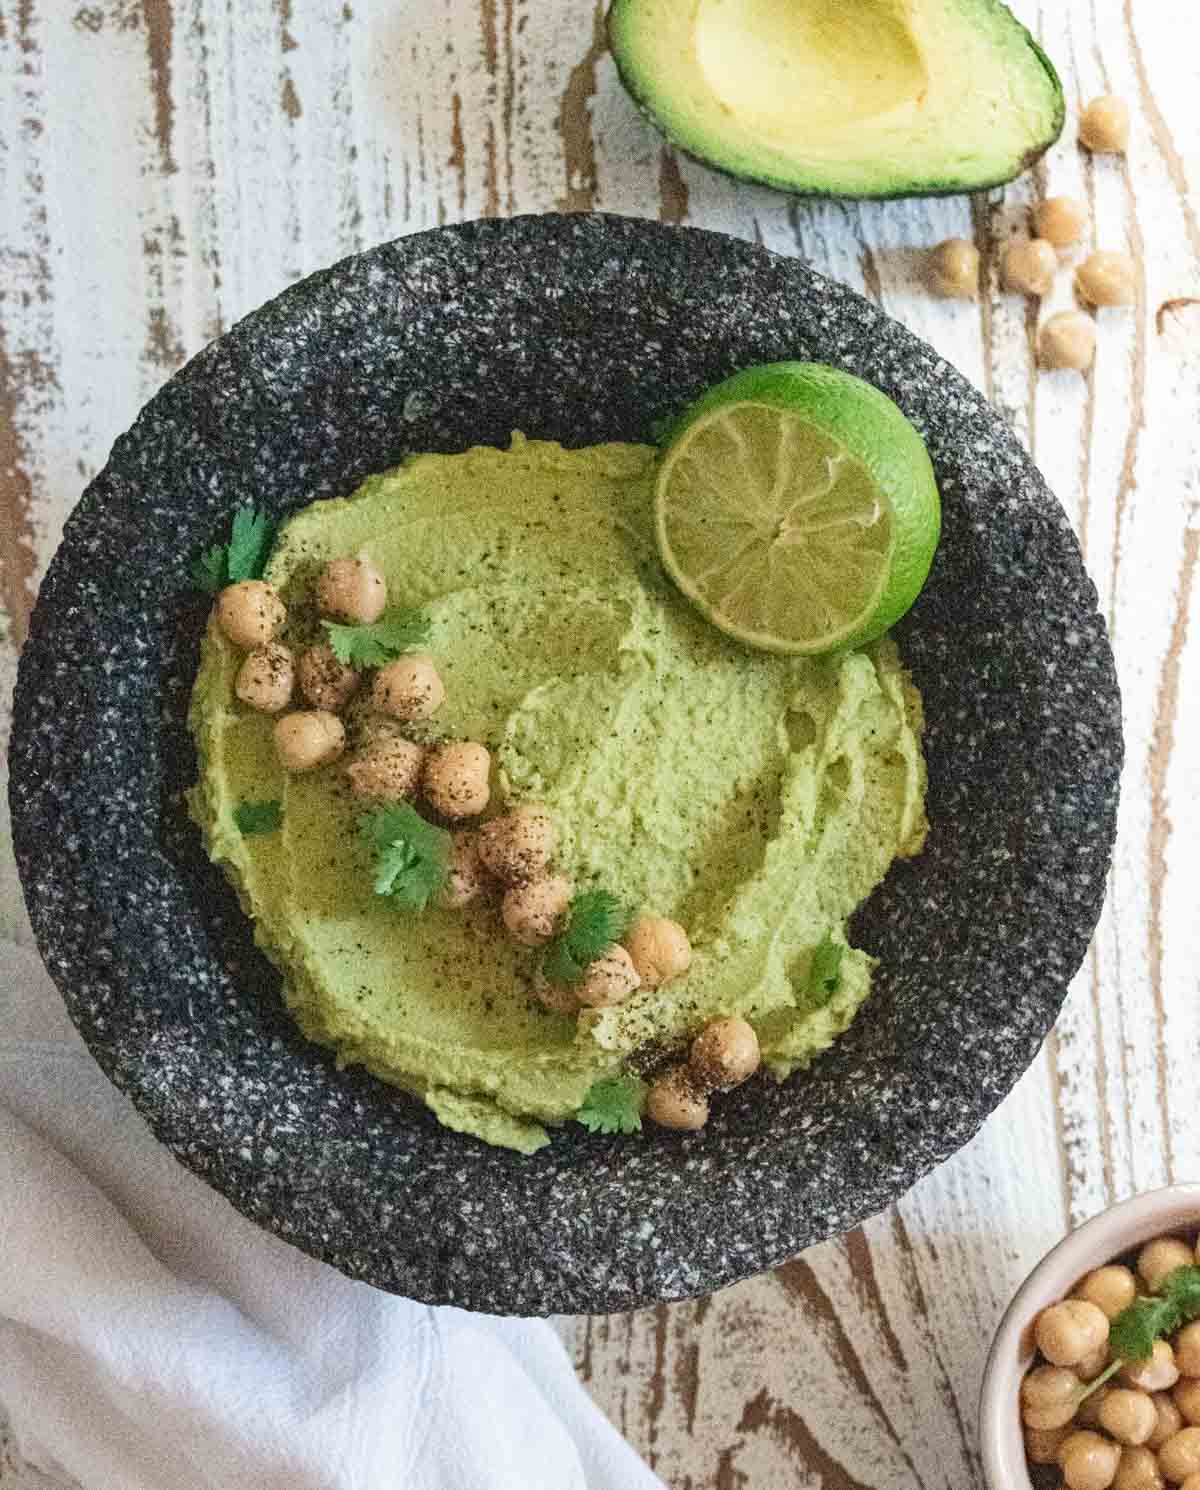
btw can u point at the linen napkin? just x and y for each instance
(153, 1339)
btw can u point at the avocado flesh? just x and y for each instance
(854, 98)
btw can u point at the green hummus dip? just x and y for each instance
(756, 799)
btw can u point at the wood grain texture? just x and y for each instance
(166, 165)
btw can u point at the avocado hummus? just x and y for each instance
(756, 799)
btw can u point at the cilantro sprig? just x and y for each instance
(412, 857)
(1132, 1334)
(825, 970)
(595, 920)
(243, 557)
(613, 1106)
(396, 632)
(258, 817)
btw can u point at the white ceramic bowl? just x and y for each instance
(1097, 1241)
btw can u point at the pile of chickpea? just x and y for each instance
(1068, 339)
(1141, 1429)
(510, 855)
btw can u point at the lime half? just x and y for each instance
(796, 506)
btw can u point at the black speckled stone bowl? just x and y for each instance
(576, 329)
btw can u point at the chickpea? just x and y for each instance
(954, 269)
(1049, 1395)
(1069, 1331)
(352, 590)
(559, 997)
(308, 739)
(1138, 1470)
(1158, 1260)
(1128, 1416)
(1087, 1414)
(388, 770)
(1107, 279)
(609, 980)
(1068, 340)
(519, 845)
(1042, 1444)
(408, 688)
(1092, 1365)
(1030, 265)
(250, 613)
(1104, 125)
(1187, 1349)
(1179, 1457)
(1111, 1289)
(1169, 1420)
(325, 682)
(1060, 220)
(1187, 1399)
(725, 1053)
(534, 911)
(468, 878)
(660, 950)
(674, 1102)
(266, 678)
(455, 778)
(1088, 1461)
(1157, 1374)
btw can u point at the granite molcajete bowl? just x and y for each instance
(577, 329)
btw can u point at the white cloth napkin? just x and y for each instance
(153, 1339)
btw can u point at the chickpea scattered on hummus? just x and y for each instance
(352, 590)
(609, 980)
(325, 682)
(267, 677)
(519, 845)
(309, 738)
(659, 950)
(468, 879)
(250, 613)
(456, 778)
(388, 770)
(534, 909)
(408, 689)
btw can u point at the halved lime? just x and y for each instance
(796, 506)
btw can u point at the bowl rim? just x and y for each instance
(1097, 1241)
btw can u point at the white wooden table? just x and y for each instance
(166, 165)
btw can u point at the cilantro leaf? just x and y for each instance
(208, 570)
(248, 544)
(595, 921)
(412, 857)
(825, 970)
(1132, 1334)
(258, 817)
(396, 632)
(1182, 1288)
(243, 557)
(613, 1106)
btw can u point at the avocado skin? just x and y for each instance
(927, 188)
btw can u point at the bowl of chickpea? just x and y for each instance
(1093, 1380)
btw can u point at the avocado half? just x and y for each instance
(847, 98)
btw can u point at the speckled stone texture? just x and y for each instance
(576, 329)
